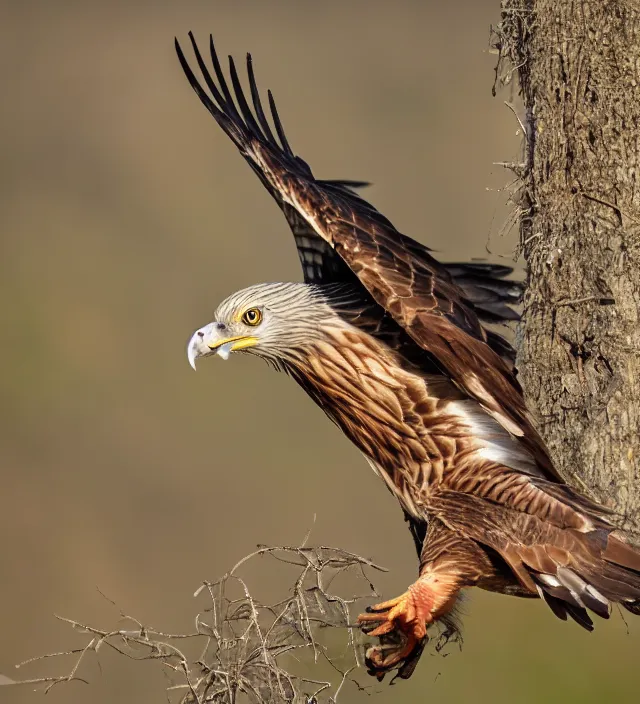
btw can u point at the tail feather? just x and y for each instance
(632, 606)
(575, 569)
(580, 616)
(556, 605)
(613, 584)
(592, 581)
(577, 573)
(563, 604)
(583, 592)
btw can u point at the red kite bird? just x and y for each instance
(390, 344)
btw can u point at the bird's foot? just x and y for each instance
(401, 626)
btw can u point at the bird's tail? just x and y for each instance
(575, 568)
(606, 572)
(603, 563)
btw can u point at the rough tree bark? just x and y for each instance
(578, 64)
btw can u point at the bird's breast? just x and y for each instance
(390, 413)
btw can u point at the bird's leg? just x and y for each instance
(428, 599)
(449, 561)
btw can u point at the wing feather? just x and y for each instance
(329, 218)
(257, 102)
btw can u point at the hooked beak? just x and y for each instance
(211, 339)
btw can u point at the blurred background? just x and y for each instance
(125, 217)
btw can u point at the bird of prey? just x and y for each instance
(392, 345)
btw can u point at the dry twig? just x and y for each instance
(250, 651)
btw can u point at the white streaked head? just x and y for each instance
(273, 321)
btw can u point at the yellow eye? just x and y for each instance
(252, 317)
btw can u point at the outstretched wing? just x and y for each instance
(398, 272)
(320, 263)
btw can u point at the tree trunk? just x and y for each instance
(578, 64)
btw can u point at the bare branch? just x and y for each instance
(255, 650)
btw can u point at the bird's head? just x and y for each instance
(275, 321)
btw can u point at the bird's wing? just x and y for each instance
(320, 263)
(398, 272)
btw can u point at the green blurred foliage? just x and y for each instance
(126, 216)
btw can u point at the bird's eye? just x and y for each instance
(252, 317)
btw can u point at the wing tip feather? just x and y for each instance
(220, 99)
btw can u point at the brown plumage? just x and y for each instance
(400, 360)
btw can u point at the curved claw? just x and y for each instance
(378, 665)
(401, 626)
